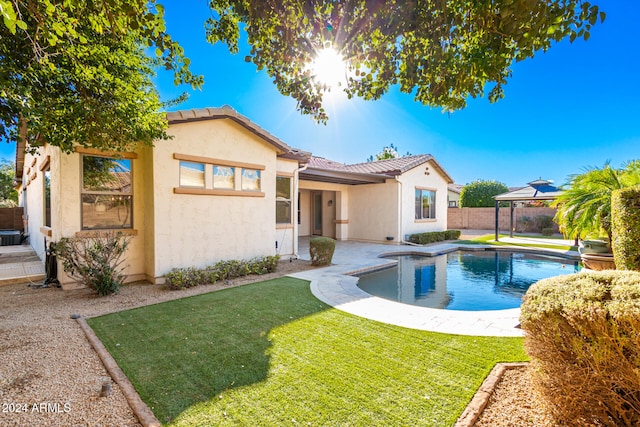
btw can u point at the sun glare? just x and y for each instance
(329, 68)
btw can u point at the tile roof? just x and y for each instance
(389, 167)
(227, 112)
(456, 188)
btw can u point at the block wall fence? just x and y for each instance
(484, 218)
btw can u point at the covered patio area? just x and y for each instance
(538, 190)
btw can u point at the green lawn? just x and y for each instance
(271, 354)
(489, 240)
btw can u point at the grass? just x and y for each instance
(271, 354)
(489, 240)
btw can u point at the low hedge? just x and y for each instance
(625, 228)
(583, 337)
(182, 278)
(321, 250)
(434, 236)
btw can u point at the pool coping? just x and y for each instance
(336, 286)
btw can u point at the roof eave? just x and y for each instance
(341, 177)
(226, 112)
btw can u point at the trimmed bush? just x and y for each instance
(547, 231)
(182, 278)
(321, 250)
(583, 337)
(452, 234)
(625, 228)
(434, 236)
(525, 223)
(543, 221)
(95, 261)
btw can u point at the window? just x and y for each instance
(453, 204)
(106, 193)
(224, 177)
(283, 200)
(425, 204)
(47, 196)
(191, 174)
(250, 180)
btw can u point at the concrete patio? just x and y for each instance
(335, 285)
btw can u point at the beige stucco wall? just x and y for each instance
(304, 228)
(433, 180)
(175, 230)
(66, 207)
(197, 230)
(374, 212)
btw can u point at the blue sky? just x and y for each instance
(569, 108)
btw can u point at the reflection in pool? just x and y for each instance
(489, 280)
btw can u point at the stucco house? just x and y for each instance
(222, 188)
(380, 201)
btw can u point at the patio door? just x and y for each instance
(317, 213)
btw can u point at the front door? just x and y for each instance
(317, 213)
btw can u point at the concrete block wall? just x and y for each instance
(484, 218)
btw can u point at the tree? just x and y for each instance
(76, 72)
(442, 52)
(8, 194)
(388, 152)
(584, 207)
(479, 193)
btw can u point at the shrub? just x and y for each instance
(625, 228)
(182, 278)
(543, 221)
(525, 222)
(452, 234)
(583, 337)
(321, 250)
(434, 236)
(480, 193)
(95, 261)
(547, 231)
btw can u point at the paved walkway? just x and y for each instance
(19, 264)
(336, 286)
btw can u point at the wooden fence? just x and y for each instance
(11, 219)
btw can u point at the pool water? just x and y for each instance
(488, 280)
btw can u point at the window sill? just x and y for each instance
(283, 226)
(213, 192)
(96, 233)
(426, 220)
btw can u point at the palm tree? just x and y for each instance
(585, 205)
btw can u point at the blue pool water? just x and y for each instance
(488, 280)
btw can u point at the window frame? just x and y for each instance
(242, 179)
(123, 194)
(288, 200)
(432, 206)
(204, 174)
(233, 178)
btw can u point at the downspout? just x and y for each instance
(401, 239)
(295, 219)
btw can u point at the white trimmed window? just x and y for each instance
(425, 204)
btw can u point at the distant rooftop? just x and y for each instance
(539, 189)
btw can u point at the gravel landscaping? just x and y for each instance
(51, 376)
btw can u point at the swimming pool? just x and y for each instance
(462, 280)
